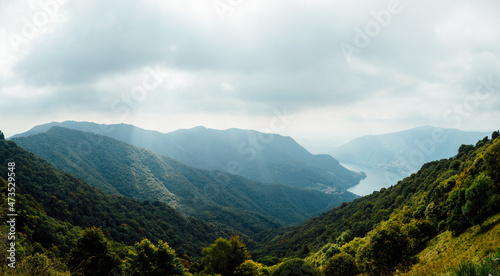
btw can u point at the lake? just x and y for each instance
(375, 180)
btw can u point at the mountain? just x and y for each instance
(442, 220)
(405, 151)
(122, 169)
(53, 204)
(267, 158)
(446, 214)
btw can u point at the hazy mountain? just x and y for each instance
(405, 151)
(262, 157)
(123, 169)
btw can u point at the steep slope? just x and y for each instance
(267, 158)
(405, 151)
(64, 200)
(386, 230)
(123, 169)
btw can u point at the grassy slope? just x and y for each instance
(445, 251)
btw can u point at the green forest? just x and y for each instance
(119, 168)
(447, 212)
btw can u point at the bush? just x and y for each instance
(296, 267)
(251, 268)
(341, 264)
(352, 247)
(387, 248)
(470, 269)
(333, 250)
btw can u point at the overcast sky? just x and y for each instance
(315, 70)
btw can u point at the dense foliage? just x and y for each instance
(385, 230)
(92, 254)
(147, 259)
(68, 227)
(225, 256)
(122, 169)
(72, 202)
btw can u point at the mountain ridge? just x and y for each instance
(407, 150)
(135, 172)
(267, 158)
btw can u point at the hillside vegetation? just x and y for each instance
(386, 230)
(263, 157)
(54, 205)
(122, 169)
(442, 220)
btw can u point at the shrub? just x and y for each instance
(296, 267)
(341, 264)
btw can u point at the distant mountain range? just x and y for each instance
(123, 169)
(405, 151)
(267, 158)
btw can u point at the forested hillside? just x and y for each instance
(54, 204)
(123, 169)
(444, 220)
(264, 157)
(387, 229)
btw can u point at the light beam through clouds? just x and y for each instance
(88, 60)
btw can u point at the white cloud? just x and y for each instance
(264, 55)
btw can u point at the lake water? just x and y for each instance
(375, 180)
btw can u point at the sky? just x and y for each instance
(319, 71)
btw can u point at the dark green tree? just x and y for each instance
(456, 221)
(2, 137)
(223, 257)
(92, 254)
(495, 135)
(476, 206)
(492, 158)
(296, 267)
(341, 264)
(148, 259)
(388, 248)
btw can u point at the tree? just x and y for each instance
(92, 253)
(223, 257)
(352, 247)
(387, 248)
(251, 268)
(495, 135)
(492, 158)
(148, 259)
(2, 137)
(341, 264)
(296, 267)
(477, 196)
(456, 220)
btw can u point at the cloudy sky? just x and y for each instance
(315, 70)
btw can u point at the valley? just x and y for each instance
(76, 184)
